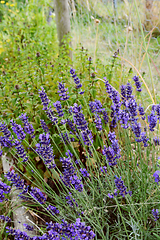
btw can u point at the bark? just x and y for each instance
(20, 215)
(62, 20)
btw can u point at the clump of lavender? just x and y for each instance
(28, 227)
(155, 213)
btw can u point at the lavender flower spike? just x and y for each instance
(27, 126)
(44, 98)
(155, 213)
(137, 83)
(63, 92)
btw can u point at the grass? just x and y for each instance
(30, 61)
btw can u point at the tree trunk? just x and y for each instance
(62, 20)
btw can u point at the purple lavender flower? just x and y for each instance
(5, 188)
(98, 122)
(1, 152)
(4, 129)
(156, 176)
(105, 116)
(5, 142)
(37, 195)
(156, 141)
(78, 117)
(15, 179)
(110, 155)
(158, 111)
(152, 119)
(131, 106)
(5, 218)
(76, 79)
(69, 176)
(44, 126)
(2, 195)
(18, 130)
(45, 150)
(71, 201)
(124, 119)
(103, 169)
(144, 139)
(58, 107)
(44, 98)
(84, 172)
(28, 227)
(52, 209)
(96, 106)
(63, 92)
(136, 127)
(155, 213)
(141, 112)
(27, 126)
(128, 91)
(87, 137)
(121, 187)
(138, 84)
(20, 151)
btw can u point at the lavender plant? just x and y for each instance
(99, 183)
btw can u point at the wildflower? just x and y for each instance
(87, 137)
(37, 195)
(2, 195)
(69, 176)
(141, 112)
(4, 129)
(5, 142)
(124, 119)
(58, 107)
(15, 179)
(136, 127)
(121, 187)
(137, 83)
(103, 169)
(96, 106)
(98, 122)
(18, 130)
(27, 126)
(158, 111)
(152, 119)
(156, 176)
(155, 213)
(63, 92)
(128, 91)
(105, 116)
(156, 141)
(78, 117)
(20, 151)
(144, 139)
(71, 201)
(5, 218)
(28, 227)
(84, 172)
(45, 150)
(44, 98)
(52, 209)
(4, 187)
(44, 126)
(110, 155)
(76, 79)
